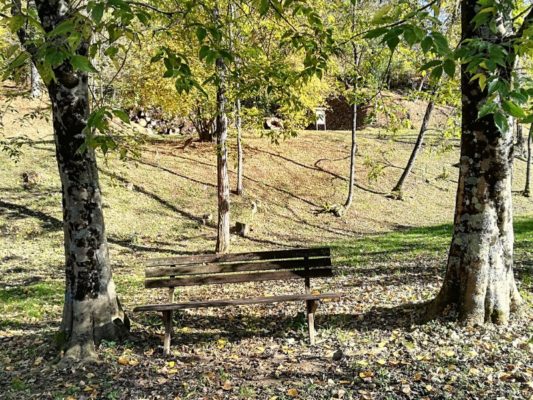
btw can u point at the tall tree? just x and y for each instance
(91, 310)
(223, 194)
(479, 277)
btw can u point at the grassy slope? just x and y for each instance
(385, 246)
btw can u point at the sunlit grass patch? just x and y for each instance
(35, 302)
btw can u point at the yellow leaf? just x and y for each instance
(38, 361)
(221, 343)
(123, 360)
(381, 361)
(227, 385)
(171, 364)
(292, 392)
(366, 374)
(417, 377)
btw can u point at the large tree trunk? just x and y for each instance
(91, 311)
(418, 145)
(240, 166)
(479, 278)
(223, 231)
(528, 166)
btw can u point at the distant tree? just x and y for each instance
(527, 190)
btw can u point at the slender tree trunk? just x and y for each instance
(520, 145)
(240, 166)
(528, 166)
(479, 278)
(418, 145)
(353, 150)
(35, 82)
(91, 310)
(223, 231)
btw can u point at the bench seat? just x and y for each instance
(235, 302)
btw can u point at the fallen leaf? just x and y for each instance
(123, 360)
(292, 392)
(227, 385)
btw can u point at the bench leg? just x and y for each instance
(167, 320)
(312, 305)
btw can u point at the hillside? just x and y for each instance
(390, 253)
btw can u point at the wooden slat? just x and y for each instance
(235, 302)
(236, 257)
(237, 278)
(155, 272)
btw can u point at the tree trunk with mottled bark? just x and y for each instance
(527, 191)
(398, 189)
(35, 82)
(479, 278)
(91, 310)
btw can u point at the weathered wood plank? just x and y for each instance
(236, 302)
(239, 257)
(155, 272)
(238, 278)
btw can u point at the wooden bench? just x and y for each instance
(238, 268)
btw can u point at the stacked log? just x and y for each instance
(155, 121)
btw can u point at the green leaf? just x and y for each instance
(392, 42)
(374, 33)
(122, 115)
(431, 64)
(201, 33)
(204, 52)
(486, 109)
(62, 28)
(501, 122)
(436, 73)
(82, 63)
(528, 119)
(264, 5)
(426, 44)
(513, 109)
(98, 12)
(441, 43)
(449, 67)
(16, 22)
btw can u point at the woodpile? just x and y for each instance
(156, 122)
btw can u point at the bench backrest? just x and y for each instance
(259, 266)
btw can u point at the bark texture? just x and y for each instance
(479, 277)
(91, 310)
(223, 227)
(35, 82)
